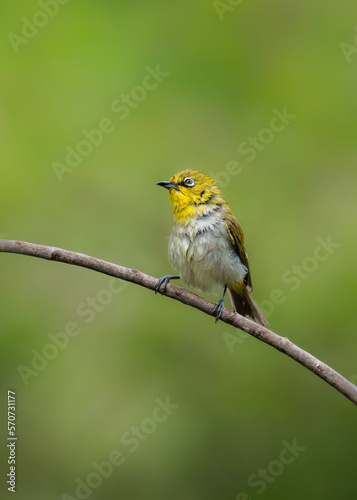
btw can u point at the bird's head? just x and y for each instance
(192, 193)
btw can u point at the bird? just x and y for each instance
(206, 244)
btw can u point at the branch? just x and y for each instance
(174, 292)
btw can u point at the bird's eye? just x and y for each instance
(188, 181)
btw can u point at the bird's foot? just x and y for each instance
(164, 282)
(218, 309)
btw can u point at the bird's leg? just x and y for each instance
(218, 308)
(164, 281)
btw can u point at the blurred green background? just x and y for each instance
(237, 403)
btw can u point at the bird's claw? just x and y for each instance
(162, 281)
(218, 309)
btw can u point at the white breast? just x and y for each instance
(202, 252)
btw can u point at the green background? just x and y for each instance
(235, 409)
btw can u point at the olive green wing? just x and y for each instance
(237, 238)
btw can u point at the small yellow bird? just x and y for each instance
(206, 243)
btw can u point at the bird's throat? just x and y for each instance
(185, 214)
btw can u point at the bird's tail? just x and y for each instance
(245, 305)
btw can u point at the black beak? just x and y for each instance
(168, 185)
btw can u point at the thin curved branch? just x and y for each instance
(282, 344)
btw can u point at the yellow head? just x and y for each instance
(191, 193)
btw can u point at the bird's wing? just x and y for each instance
(237, 239)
